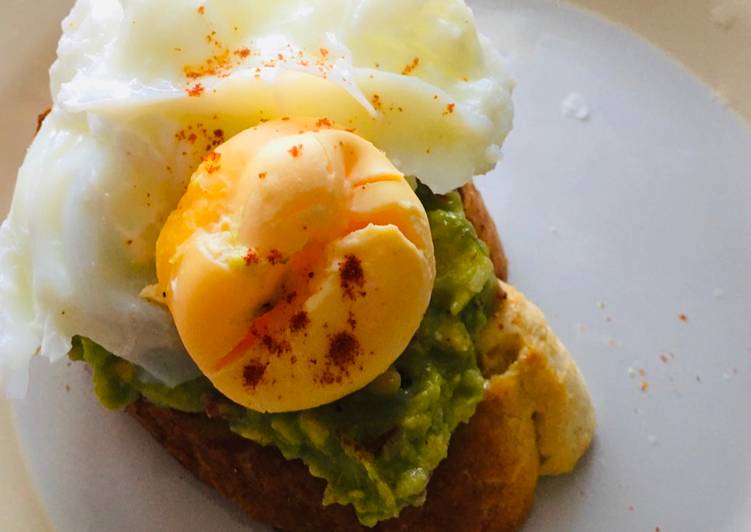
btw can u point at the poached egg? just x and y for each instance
(297, 266)
(140, 99)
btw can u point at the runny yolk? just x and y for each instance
(297, 266)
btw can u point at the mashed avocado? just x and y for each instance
(377, 447)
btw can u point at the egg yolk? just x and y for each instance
(297, 266)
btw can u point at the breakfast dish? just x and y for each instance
(255, 224)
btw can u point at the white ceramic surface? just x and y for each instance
(615, 225)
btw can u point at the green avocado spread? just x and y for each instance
(377, 447)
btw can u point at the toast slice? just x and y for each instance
(535, 418)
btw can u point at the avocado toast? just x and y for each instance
(534, 418)
(265, 244)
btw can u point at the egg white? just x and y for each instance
(114, 156)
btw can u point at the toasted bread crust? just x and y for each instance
(486, 483)
(477, 213)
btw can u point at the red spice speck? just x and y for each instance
(253, 373)
(295, 150)
(195, 90)
(324, 122)
(411, 66)
(212, 162)
(299, 321)
(324, 52)
(262, 175)
(449, 108)
(644, 386)
(682, 317)
(343, 349)
(251, 257)
(275, 347)
(351, 276)
(220, 64)
(275, 257)
(376, 101)
(201, 10)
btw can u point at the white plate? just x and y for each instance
(615, 225)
